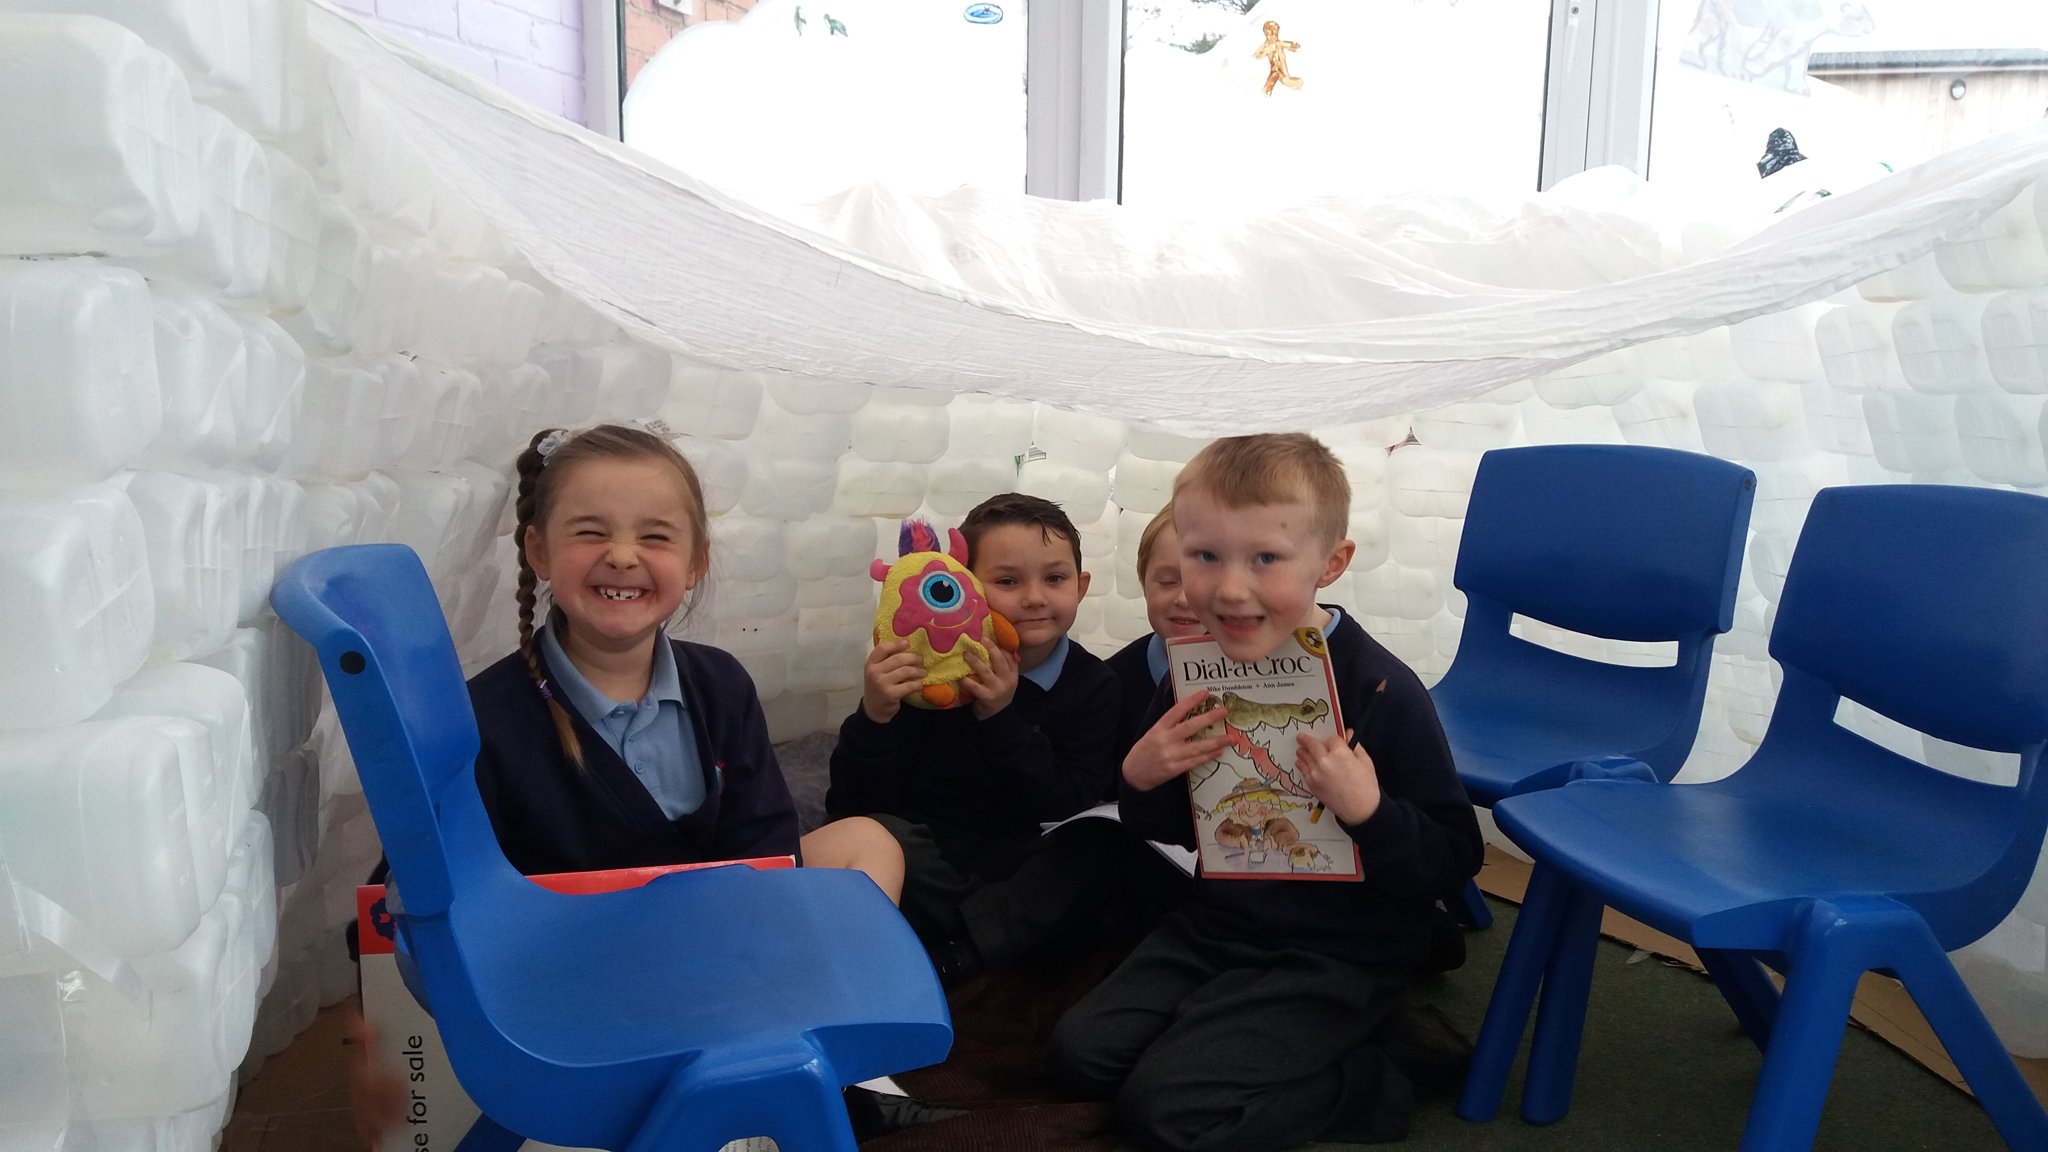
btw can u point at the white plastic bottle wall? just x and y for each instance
(335, 347)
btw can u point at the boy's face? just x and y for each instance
(1030, 578)
(1251, 573)
(1166, 602)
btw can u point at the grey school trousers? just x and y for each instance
(1214, 1044)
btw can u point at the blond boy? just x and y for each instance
(1269, 1013)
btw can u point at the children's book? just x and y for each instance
(1254, 818)
(1174, 854)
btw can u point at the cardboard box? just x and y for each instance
(438, 1111)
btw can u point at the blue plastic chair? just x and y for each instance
(704, 1007)
(1626, 543)
(1824, 856)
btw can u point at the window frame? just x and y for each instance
(1596, 101)
(604, 67)
(1598, 86)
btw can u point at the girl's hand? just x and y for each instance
(993, 683)
(1340, 775)
(1172, 745)
(892, 672)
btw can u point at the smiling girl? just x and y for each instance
(606, 744)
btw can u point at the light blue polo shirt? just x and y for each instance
(1047, 673)
(653, 734)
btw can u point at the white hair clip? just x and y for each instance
(550, 442)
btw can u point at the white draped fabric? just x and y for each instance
(1337, 312)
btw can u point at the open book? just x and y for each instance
(1254, 818)
(1174, 854)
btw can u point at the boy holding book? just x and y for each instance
(1268, 1013)
(964, 790)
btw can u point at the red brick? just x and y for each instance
(644, 34)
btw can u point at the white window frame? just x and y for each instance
(1073, 98)
(1596, 104)
(1597, 90)
(604, 67)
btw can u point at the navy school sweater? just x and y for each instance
(1419, 847)
(1132, 666)
(1045, 757)
(551, 817)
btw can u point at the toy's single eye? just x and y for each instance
(941, 592)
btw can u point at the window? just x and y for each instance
(1238, 101)
(798, 101)
(1859, 87)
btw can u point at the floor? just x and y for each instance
(300, 1103)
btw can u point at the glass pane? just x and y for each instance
(1859, 88)
(799, 100)
(1238, 101)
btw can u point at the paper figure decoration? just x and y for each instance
(1274, 52)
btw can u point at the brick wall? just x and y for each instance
(531, 48)
(651, 24)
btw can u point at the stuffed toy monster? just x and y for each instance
(932, 601)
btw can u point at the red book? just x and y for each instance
(373, 923)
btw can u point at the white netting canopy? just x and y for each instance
(1336, 312)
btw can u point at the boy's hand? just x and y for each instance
(376, 1097)
(993, 684)
(892, 672)
(1340, 775)
(1170, 748)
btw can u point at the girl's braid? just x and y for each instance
(530, 466)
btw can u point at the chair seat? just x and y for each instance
(1505, 751)
(1675, 855)
(793, 950)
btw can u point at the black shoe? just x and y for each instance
(957, 962)
(876, 1114)
(1446, 941)
(1423, 1043)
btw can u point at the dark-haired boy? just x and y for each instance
(964, 790)
(1269, 1013)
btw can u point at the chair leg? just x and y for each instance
(784, 1092)
(1472, 910)
(487, 1135)
(1975, 1048)
(1829, 955)
(1561, 1017)
(1748, 990)
(1514, 993)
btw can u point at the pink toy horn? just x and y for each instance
(956, 545)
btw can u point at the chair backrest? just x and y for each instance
(1620, 541)
(371, 613)
(1929, 605)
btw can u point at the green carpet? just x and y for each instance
(1665, 1069)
